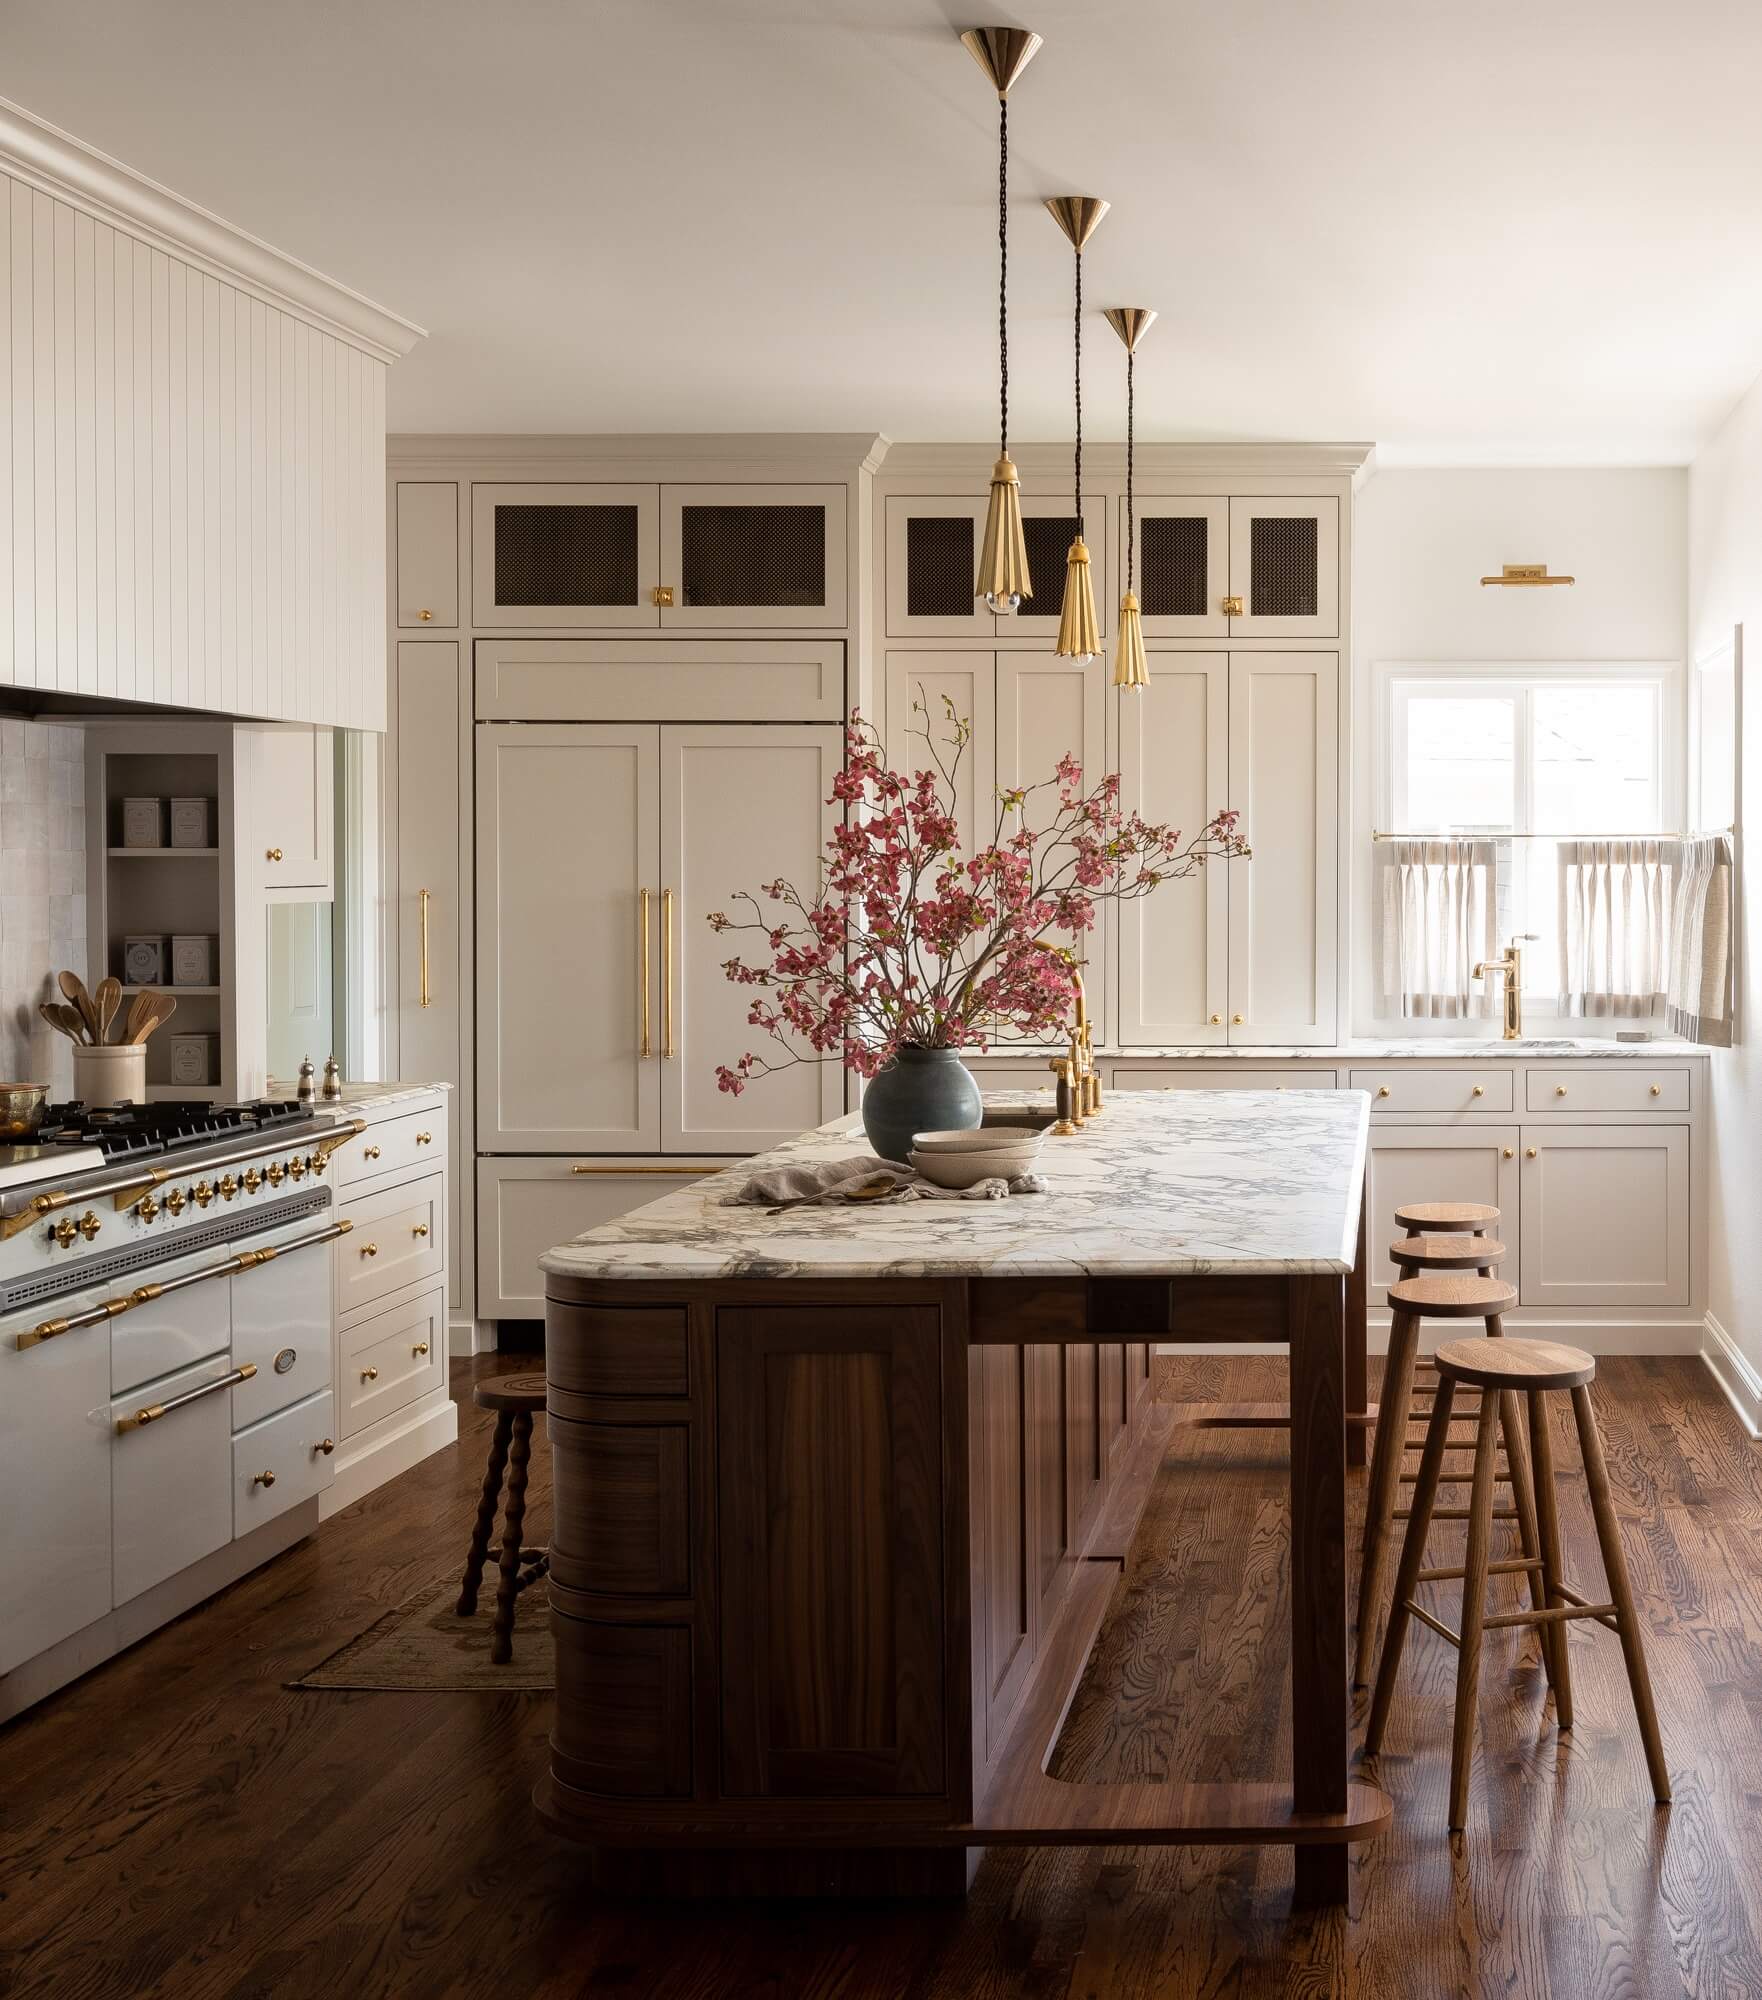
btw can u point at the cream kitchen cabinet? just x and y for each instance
(1476, 1163)
(932, 559)
(1243, 953)
(291, 769)
(1605, 1215)
(1245, 567)
(596, 555)
(602, 1009)
(428, 553)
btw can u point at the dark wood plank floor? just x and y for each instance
(181, 1823)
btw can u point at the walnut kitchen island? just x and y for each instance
(842, 1493)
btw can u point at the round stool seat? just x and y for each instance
(1446, 1253)
(1453, 1297)
(510, 1392)
(1515, 1364)
(1445, 1215)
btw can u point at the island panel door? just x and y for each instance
(1460, 1162)
(829, 1448)
(568, 901)
(741, 804)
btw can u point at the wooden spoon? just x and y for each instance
(107, 999)
(64, 1020)
(160, 1010)
(139, 1008)
(75, 988)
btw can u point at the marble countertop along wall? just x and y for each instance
(361, 1096)
(1161, 1184)
(1453, 1048)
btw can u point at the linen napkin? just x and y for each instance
(863, 1178)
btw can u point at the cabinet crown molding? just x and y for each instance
(47, 158)
(1309, 461)
(731, 456)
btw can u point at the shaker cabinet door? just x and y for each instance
(1180, 564)
(291, 811)
(931, 563)
(582, 557)
(428, 553)
(568, 903)
(752, 555)
(1605, 1215)
(1458, 1162)
(1285, 568)
(741, 804)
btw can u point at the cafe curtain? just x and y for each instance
(1437, 923)
(1616, 899)
(1699, 992)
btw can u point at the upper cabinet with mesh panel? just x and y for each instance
(932, 558)
(588, 557)
(1242, 568)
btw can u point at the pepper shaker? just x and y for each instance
(304, 1093)
(333, 1077)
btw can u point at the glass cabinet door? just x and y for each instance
(1181, 567)
(1285, 568)
(752, 555)
(559, 555)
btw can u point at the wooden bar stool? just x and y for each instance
(1508, 1369)
(1450, 1285)
(514, 1398)
(1447, 1218)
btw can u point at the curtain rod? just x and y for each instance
(1707, 833)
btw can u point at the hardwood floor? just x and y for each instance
(181, 1823)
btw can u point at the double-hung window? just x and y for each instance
(1547, 770)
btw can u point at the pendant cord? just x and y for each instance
(1131, 535)
(1078, 344)
(1003, 275)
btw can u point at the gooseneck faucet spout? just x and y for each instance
(1510, 968)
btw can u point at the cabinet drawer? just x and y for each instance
(1231, 1076)
(390, 1359)
(622, 1505)
(398, 1240)
(617, 1350)
(413, 1139)
(280, 1462)
(1617, 1086)
(1437, 1089)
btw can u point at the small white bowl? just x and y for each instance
(980, 1139)
(967, 1169)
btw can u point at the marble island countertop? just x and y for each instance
(1442, 1048)
(1159, 1185)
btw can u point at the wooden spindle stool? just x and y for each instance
(514, 1398)
(1507, 1369)
(1454, 1282)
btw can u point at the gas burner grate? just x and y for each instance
(128, 1131)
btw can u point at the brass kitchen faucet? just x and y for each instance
(1511, 967)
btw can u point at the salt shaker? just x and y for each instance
(333, 1077)
(305, 1093)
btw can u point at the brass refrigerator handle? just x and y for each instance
(667, 975)
(423, 996)
(644, 1048)
(152, 1412)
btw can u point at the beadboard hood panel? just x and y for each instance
(192, 453)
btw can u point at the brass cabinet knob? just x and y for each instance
(201, 1194)
(228, 1187)
(420, 1348)
(264, 1479)
(419, 1229)
(369, 1374)
(177, 1201)
(1383, 1090)
(272, 854)
(1232, 607)
(64, 1231)
(325, 1445)
(1235, 1020)
(1480, 1090)
(369, 1249)
(1511, 1152)
(1657, 1090)
(1529, 1152)
(425, 616)
(1217, 1020)
(425, 1138)
(370, 1152)
(661, 597)
(89, 1225)
(1560, 1090)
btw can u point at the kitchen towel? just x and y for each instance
(863, 1178)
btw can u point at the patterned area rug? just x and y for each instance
(425, 1645)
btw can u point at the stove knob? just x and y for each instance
(228, 1188)
(64, 1231)
(176, 1202)
(318, 1162)
(274, 1173)
(296, 1168)
(147, 1208)
(89, 1225)
(252, 1180)
(201, 1194)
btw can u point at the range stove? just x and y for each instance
(107, 1191)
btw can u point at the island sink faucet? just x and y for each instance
(1511, 968)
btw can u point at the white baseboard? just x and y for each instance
(466, 1337)
(1734, 1374)
(1686, 1335)
(389, 1448)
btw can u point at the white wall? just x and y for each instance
(1725, 591)
(42, 893)
(1422, 541)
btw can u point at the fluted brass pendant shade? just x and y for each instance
(1003, 558)
(1079, 635)
(1079, 630)
(1131, 669)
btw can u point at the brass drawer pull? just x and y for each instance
(272, 854)
(1560, 1090)
(425, 1138)
(1480, 1090)
(369, 1374)
(1511, 1152)
(369, 1249)
(423, 996)
(420, 1349)
(152, 1412)
(370, 1152)
(1236, 1021)
(419, 1229)
(325, 1445)
(1217, 1020)
(1529, 1152)
(425, 616)
(263, 1479)
(1383, 1090)
(1657, 1090)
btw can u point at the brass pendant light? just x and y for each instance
(1079, 634)
(1003, 53)
(1130, 668)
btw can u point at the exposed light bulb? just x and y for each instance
(1004, 603)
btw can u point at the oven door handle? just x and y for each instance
(251, 1260)
(150, 1413)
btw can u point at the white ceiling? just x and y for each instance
(1474, 231)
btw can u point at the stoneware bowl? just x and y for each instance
(966, 1169)
(987, 1139)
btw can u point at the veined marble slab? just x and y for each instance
(1161, 1184)
(1451, 1048)
(363, 1096)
